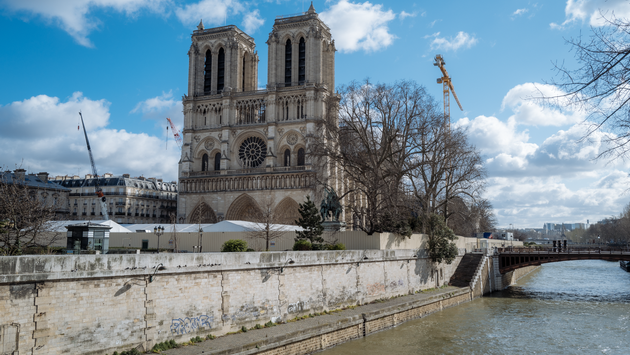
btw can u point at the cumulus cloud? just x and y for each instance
(160, 107)
(528, 111)
(592, 11)
(252, 21)
(558, 178)
(462, 40)
(72, 16)
(213, 12)
(359, 26)
(43, 132)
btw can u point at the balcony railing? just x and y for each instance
(120, 203)
(120, 213)
(275, 169)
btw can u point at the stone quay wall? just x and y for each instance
(96, 304)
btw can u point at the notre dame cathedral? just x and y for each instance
(245, 149)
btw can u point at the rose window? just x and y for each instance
(252, 152)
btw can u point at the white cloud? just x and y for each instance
(404, 14)
(160, 107)
(213, 12)
(555, 180)
(591, 11)
(359, 26)
(42, 130)
(522, 100)
(72, 16)
(252, 21)
(462, 40)
(519, 12)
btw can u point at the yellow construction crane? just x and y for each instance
(447, 86)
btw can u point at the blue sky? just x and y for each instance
(124, 64)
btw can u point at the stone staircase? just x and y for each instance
(466, 269)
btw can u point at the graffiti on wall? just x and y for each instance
(187, 325)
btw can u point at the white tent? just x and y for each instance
(246, 226)
(60, 226)
(168, 228)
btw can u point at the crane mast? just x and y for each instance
(447, 88)
(99, 192)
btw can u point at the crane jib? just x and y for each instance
(97, 188)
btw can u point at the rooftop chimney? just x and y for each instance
(43, 176)
(126, 176)
(20, 174)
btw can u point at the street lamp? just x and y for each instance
(159, 230)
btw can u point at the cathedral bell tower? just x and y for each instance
(246, 148)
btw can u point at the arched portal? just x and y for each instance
(287, 211)
(244, 208)
(202, 214)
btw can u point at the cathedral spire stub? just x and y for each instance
(200, 26)
(311, 9)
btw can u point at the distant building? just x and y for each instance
(47, 191)
(129, 200)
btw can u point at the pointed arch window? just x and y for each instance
(207, 76)
(217, 161)
(221, 70)
(300, 157)
(204, 162)
(287, 157)
(287, 63)
(302, 62)
(243, 86)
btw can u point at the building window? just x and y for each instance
(287, 63)
(302, 61)
(287, 157)
(217, 161)
(221, 70)
(300, 157)
(204, 162)
(207, 77)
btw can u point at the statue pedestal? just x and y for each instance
(334, 226)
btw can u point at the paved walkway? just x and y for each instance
(246, 342)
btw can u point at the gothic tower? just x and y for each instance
(245, 148)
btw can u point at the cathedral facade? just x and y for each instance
(245, 149)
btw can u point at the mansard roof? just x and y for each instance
(32, 181)
(120, 181)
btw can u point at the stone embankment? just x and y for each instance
(325, 331)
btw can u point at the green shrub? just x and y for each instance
(250, 249)
(336, 246)
(270, 324)
(234, 245)
(318, 246)
(210, 337)
(258, 326)
(244, 329)
(302, 245)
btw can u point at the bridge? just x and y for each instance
(512, 258)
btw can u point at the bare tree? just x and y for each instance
(599, 86)
(266, 227)
(24, 218)
(368, 143)
(447, 169)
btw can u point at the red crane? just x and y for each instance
(97, 188)
(178, 138)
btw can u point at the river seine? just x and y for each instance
(570, 307)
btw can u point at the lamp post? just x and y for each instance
(159, 230)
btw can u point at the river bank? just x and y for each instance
(325, 331)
